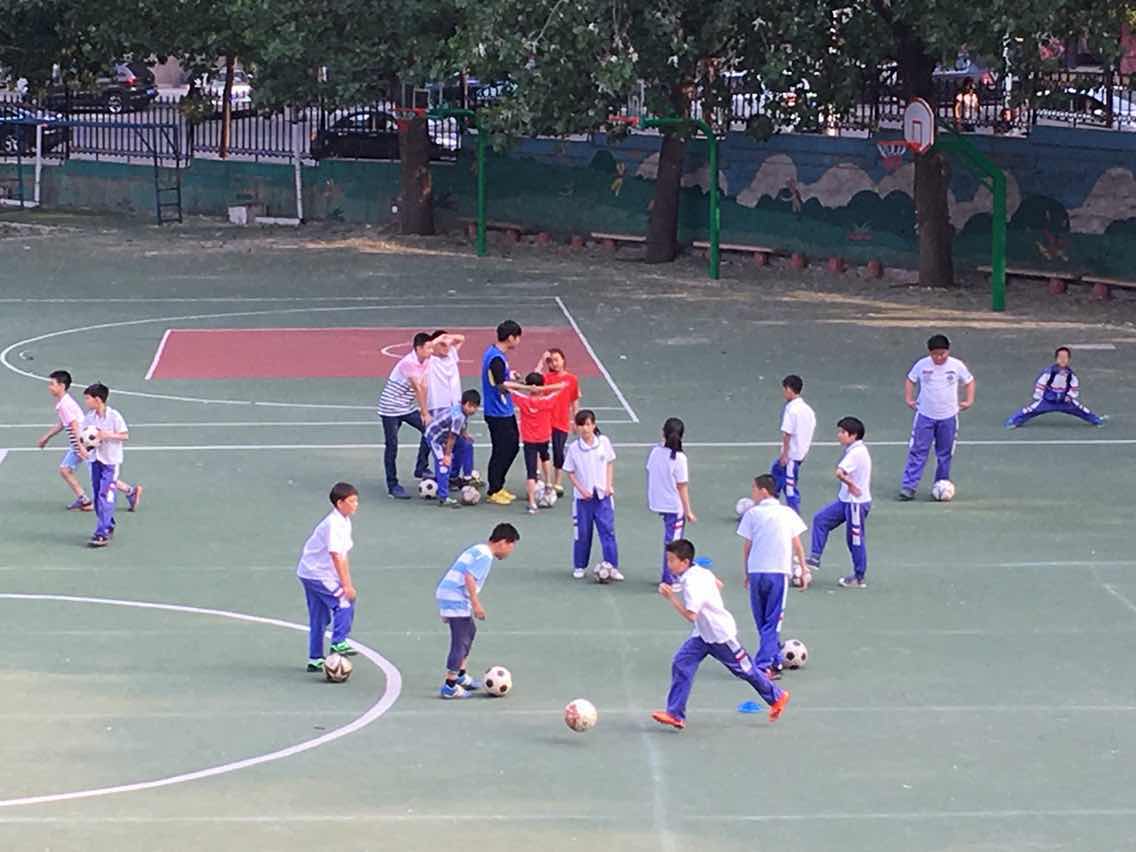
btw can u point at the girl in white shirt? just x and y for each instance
(668, 491)
(590, 465)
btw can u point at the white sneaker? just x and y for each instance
(579, 573)
(616, 575)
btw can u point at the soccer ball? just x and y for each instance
(580, 715)
(943, 491)
(498, 681)
(801, 577)
(547, 498)
(89, 437)
(427, 489)
(475, 478)
(794, 654)
(470, 496)
(743, 506)
(602, 572)
(336, 668)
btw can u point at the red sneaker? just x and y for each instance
(665, 718)
(778, 706)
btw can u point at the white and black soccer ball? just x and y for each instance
(800, 577)
(336, 668)
(498, 681)
(547, 498)
(794, 654)
(581, 715)
(89, 437)
(743, 505)
(602, 572)
(427, 489)
(470, 496)
(943, 491)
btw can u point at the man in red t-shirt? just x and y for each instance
(552, 365)
(536, 429)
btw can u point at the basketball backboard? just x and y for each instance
(919, 126)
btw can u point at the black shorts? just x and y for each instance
(559, 439)
(532, 451)
(462, 631)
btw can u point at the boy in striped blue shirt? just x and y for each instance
(444, 437)
(459, 603)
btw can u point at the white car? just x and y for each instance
(240, 98)
(1088, 108)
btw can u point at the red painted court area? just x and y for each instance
(307, 353)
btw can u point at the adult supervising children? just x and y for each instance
(939, 377)
(404, 400)
(500, 415)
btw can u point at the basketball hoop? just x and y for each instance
(892, 152)
(405, 115)
(919, 126)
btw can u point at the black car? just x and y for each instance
(365, 134)
(125, 87)
(20, 139)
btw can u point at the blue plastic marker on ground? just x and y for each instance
(749, 707)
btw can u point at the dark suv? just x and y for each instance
(124, 87)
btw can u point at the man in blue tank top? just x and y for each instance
(499, 413)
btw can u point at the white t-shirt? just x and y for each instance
(938, 386)
(443, 381)
(664, 474)
(701, 595)
(331, 535)
(68, 412)
(770, 528)
(589, 464)
(108, 451)
(857, 463)
(799, 421)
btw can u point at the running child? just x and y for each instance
(444, 435)
(111, 433)
(325, 574)
(590, 465)
(69, 419)
(459, 603)
(668, 487)
(936, 412)
(715, 634)
(552, 366)
(851, 507)
(771, 536)
(536, 430)
(798, 423)
(1056, 390)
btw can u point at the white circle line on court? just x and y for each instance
(384, 703)
(22, 344)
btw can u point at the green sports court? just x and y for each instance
(978, 695)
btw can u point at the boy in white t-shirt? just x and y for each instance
(852, 504)
(715, 634)
(668, 487)
(939, 377)
(325, 574)
(69, 419)
(590, 465)
(798, 423)
(107, 460)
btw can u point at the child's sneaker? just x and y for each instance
(773, 673)
(531, 509)
(398, 493)
(559, 489)
(665, 718)
(468, 682)
(83, 504)
(852, 582)
(579, 573)
(778, 706)
(315, 665)
(1010, 424)
(498, 498)
(904, 495)
(509, 494)
(134, 498)
(449, 503)
(343, 649)
(616, 575)
(99, 541)
(455, 691)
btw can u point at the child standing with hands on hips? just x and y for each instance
(590, 465)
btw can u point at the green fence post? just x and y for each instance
(998, 262)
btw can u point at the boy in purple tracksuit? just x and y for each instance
(936, 411)
(590, 465)
(715, 634)
(1058, 390)
(852, 504)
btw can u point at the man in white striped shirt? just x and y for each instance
(403, 400)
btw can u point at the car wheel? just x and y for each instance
(114, 104)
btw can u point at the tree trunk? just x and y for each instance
(932, 171)
(416, 194)
(227, 107)
(662, 227)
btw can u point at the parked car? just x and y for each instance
(125, 87)
(240, 97)
(20, 139)
(1088, 107)
(366, 134)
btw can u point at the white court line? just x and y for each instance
(254, 299)
(390, 694)
(588, 346)
(158, 354)
(3, 455)
(1120, 596)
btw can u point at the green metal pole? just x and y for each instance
(998, 239)
(447, 112)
